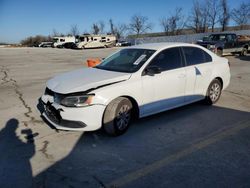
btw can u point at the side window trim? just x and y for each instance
(184, 63)
(182, 58)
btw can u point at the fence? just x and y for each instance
(192, 38)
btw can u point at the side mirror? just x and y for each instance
(152, 70)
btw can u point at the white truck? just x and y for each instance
(96, 41)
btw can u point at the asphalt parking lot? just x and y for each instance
(192, 146)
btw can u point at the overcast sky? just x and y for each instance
(22, 18)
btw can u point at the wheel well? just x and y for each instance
(135, 106)
(246, 46)
(220, 80)
(219, 48)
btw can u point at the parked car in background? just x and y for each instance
(132, 83)
(45, 44)
(123, 43)
(69, 45)
(224, 43)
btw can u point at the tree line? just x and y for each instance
(204, 15)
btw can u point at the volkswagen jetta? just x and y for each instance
(132, 83)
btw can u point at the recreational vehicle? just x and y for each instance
(96, 41)
(60, 41)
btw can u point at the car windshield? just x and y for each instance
(55, 39)
(126, 60)
(217, 37)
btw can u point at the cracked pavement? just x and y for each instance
(191, 146)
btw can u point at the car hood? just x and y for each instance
(84, 80)
(208, 42)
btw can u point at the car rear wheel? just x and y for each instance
(213, 92)
(117, 116)
(243, 52)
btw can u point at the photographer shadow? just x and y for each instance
(15, 167)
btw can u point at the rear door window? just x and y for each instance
(195, 56)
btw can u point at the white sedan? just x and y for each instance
(132, 83)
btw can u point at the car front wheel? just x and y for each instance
(219, 52)
(117, 116)
(213, 92)
(243, 52)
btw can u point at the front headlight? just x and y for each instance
(77, 101)
(211, 46)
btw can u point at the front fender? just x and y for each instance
(128, 88)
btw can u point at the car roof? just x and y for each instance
(223, 34)
(162, 45)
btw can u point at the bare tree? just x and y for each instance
(54, 33)
(98, 28)
(176, 22)
(204, 18)
(196, 17)
(95, 29)
(164, 22)
(213, 12)
(74, 30)
(57, 34)
(101, 26)
(112, 27)
(117, 29)
(224, 15)
(120, 30)
(199, 19)
(241, 15)
(139, 24)
(61, 35)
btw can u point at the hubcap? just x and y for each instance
(214, 92)
(123, 117)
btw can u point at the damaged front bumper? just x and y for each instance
(87, 118)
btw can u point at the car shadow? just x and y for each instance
(15, 167)
(244, 58)
(98, 159)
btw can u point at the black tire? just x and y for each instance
(117, 116)
(219, 52)
(243, 52)
(213, 92)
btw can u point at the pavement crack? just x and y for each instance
(44, 150)
(236, 93)
(7, 79)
